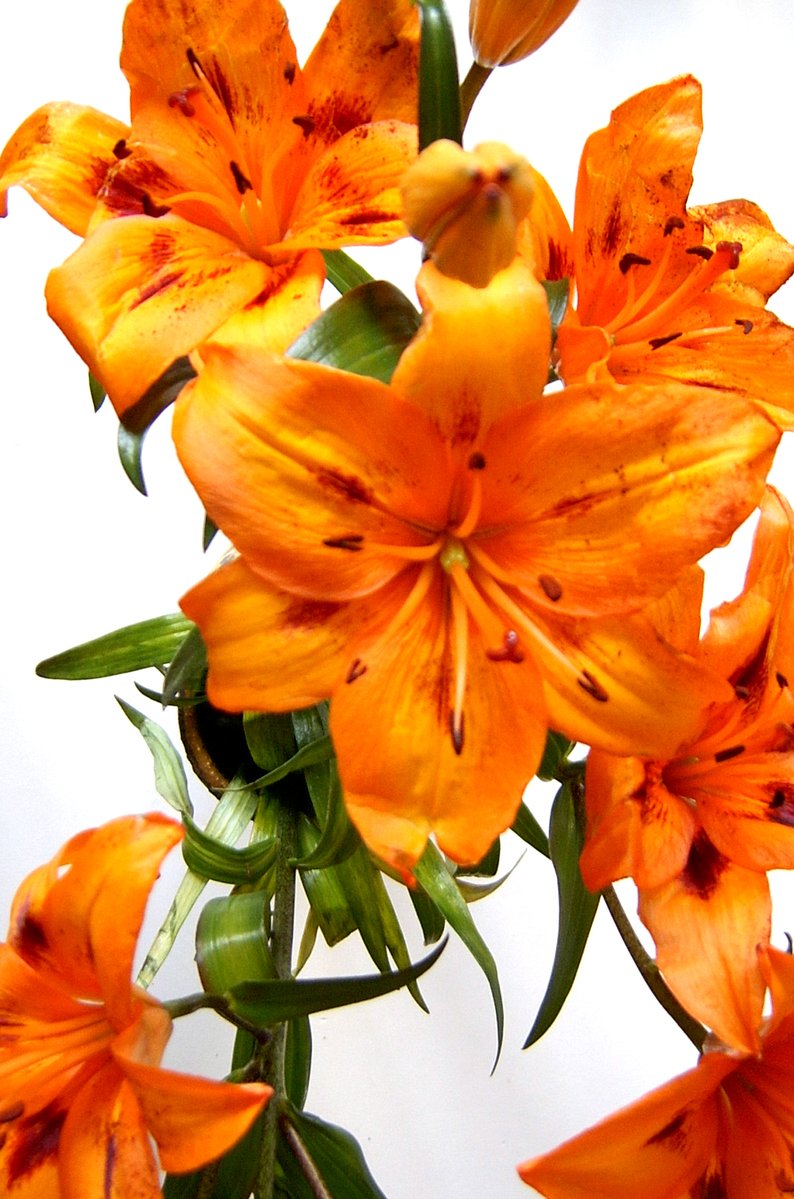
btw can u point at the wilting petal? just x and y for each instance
(404, 770)
(480, 351)
(657, 1147)
(767, 259)
(312, 473)
(193, 1120)
(351, 194)
(171, 285)
(61, 155)
(655, 456)
(707, 925)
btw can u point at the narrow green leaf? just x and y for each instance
(147, 643)
(337, 1156)
(209, 531)
(169, 773)
(527, 828)
(318, 751)
(432, 875)
(439, 93)
(187, 667)
(298, 1060)
(270, 740)
(471, 892)
(130, 448)
(557, 298)
(231, 942)
(577, 908)
(555, 753)
(226, 863)
(364, 333)
(343, 272)
(97, 391)
(266, 1003)
(141, 416)
(430, 918)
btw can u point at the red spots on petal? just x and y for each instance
(289, 72)
(673, 1135)
(710, 1186)
(35, 1143)
(309, 613)
(368, 216)
(337, 115)
(348, 486)
(29, 938)
(154, 289)
(612, 233)
(704, 867)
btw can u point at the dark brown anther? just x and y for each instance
(672, 223)
(700, 252)
(181, 100)
(357, 668)
(745, 325)
(351, 542)
(551, 587)
(724, 755)
(656, 343)
(629, 260)
(735, 249)
(476, 461)
(306, 124)
(456, 731)
(289, 72)
(510, 651)
(195, 65)
(121, 149)
(150, 208)
(741, 692)
(592, 687)
(241, 181)
(782, 681)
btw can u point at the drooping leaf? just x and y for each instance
(187, 668)
(439, 92)
(147, 643)
(577, 908)
(298, 1060)
(364, 332)
(169, 773)
(432, 875)
(140, 418)
(343, 272)
(527, 828)
(338, 839)
(97, 391)
(231, 942)
(557, 291)
(555, 754)
(226, 863)
(336, 1154)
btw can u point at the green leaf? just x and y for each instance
(336, 1154)
(555, 753)
(270, 741)
(432, 875)
(343, 272)
(232, 943)
(206, 856)
(97, 391)
(364, 333)
(187, 668)
(527, 828)
(439, 93)
(557, 298)
(266, 1003)
(148, 643)
(141, 416)
(338, 839)
(577, 908)
(430, 919)
(298, 1060)
(169, 773)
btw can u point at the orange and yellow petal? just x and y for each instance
(29, 1154)
(545, 239)
(278, 314)
(707, 925)
(171, 286)
(61, 156)
(479, 353)
(658, 1147)
(767, 259)
(417, 755)
(326, 482)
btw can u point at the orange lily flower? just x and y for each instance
(81, 1089)
(662, 291)
(238, 167)
(504, 31)
(725, 1130)
(451, 557)
(699, 830)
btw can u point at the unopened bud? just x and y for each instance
(503, 31)
(465, 206)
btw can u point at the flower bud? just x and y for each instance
(465, 207)
(503, 31)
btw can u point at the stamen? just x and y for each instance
(469, 522)
(350, 541)
(724, 755)
(410, 553)
(673, 222)
(510, 652)
(457, 733)
(782, 681)
(591, 685)
(241, 181)
(357, 668)
(460, 638)
(656, 343)
(746, 326)
(551, 587)
(476, 461)
(629, 260)
(413, 600)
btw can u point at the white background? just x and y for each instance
(84, 553)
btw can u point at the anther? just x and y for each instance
(778, 799)
(456, 730)
(782, 681)
(741, 692)
(181, 100)
(629, 260)
(121, 149)
(510, 651)
(746, 326)
(724, 755)
(735, 249)
(476, 461)
(656, 343)
(351, 542)
(672, 222)
(357, 668)
(150, 208)
(700, 252)
(195, 65)
(592, 687)
(306, 124)
(551, 587)
(241, 181)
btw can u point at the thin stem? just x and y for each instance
(471, 88)
(217, 1003)
(650, 972)
(304, 1159)
(274, 1057)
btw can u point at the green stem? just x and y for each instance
(650, 972)
(216, 1003)
(471, 88)
(274, 1055)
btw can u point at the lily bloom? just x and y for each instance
(725, 1130)
(697, 831)
(451, 557)
(503, 31)
(663, 291)
(239, 166)
(81, 1088)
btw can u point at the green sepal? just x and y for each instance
(170, 779)
(433, 876)
(147, 643)
(206, 856)
(187, 668)
(262, 1004)
(439, 90)
(343, 272)
(209, 531)
(364, 332)
(527, 828)
(141, 416)
(98, 393)
(336, 1154)
(231, 942)
(577, 908)
(555, 753)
